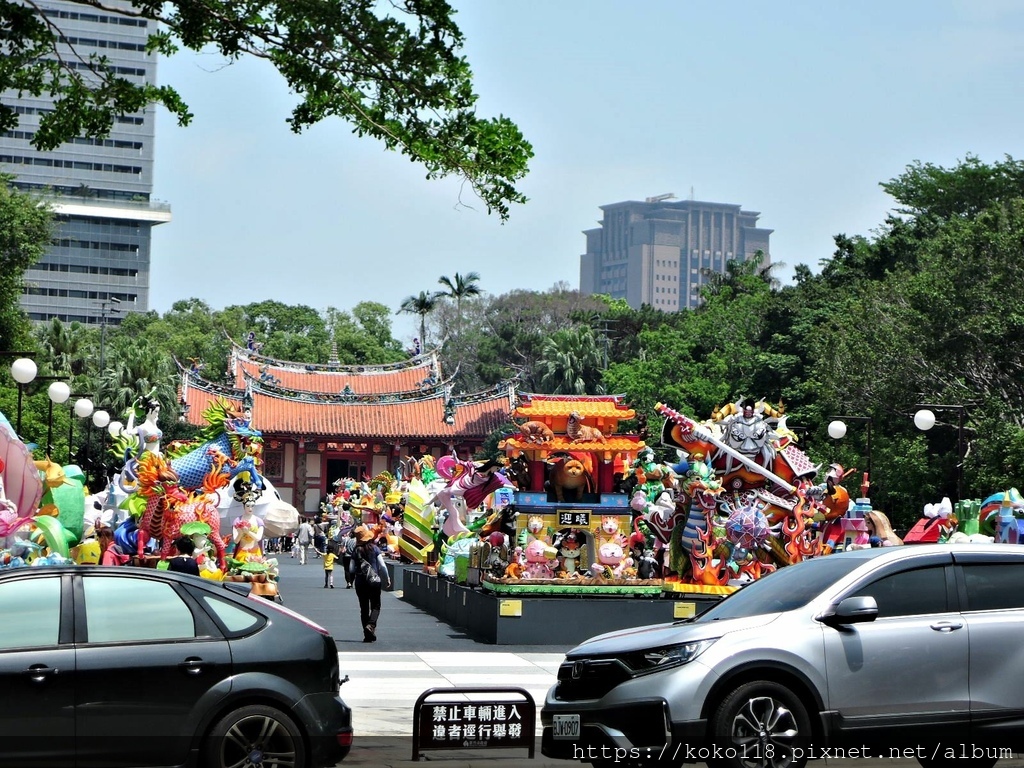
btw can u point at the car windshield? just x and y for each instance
(785, 589)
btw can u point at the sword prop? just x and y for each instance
(690, 425)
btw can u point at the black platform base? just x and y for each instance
(535, 620)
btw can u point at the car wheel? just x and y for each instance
(761, 725)
(255, 736)
(952, 762)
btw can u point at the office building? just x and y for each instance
(100, 189)
(656, 252)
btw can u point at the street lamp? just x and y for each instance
(83, 410)
(107, 306)
(837, 431)
(24, 371)
(924, 420)
(58, 392)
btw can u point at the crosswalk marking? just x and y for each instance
(383, 687)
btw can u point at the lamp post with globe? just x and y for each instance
(924, 420)
(23, 370)
(837, 431)
(82, 409)
(58, 392)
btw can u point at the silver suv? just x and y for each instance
(914, 651)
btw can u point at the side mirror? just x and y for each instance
(851, 610)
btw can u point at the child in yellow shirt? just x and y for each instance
(329, 557)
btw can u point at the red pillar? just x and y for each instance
(537, 475)
(605, 476)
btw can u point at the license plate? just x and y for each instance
(565, 726)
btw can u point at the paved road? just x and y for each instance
(401, 627)
(416, 652)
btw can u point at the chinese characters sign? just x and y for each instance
(575, 519)
(474, 724)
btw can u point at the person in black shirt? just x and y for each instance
(183, 562)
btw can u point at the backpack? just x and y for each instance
(368, 569)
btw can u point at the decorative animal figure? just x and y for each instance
(569, 549)
(536, 432)
(578, 432)
(570, 474)
(540, 560)
(611, 560)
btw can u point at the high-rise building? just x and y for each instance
(99, 188)
(656, 252)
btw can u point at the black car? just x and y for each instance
(117, 667)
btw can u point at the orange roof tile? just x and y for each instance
(362, 379)
(199, 399)
(407, 416)
(588, 406)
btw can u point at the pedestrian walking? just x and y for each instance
(319, 539)
(371, 577)
(303, 538)
(348, 558)
(329, 555)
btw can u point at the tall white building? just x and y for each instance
(100, 188)
(654, 252)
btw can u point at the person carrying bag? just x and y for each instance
(371, 577)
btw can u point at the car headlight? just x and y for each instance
(665, 657)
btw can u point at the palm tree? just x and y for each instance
(570, 363)
(459, 288)
(65, 347)
(137, 367)
(421, 305)
(736, 274)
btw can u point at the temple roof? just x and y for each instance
(414, 414)
(417, 372)
(589, 407)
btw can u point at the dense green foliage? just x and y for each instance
(25, 231)
(930, 309)
(391, 70)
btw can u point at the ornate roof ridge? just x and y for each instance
(193, 379)
(270, 385)
(422, 360)
(440, 391)
(527, 397)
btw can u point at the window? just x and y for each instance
(31, 611)
(909, 593)
(273, 464)
(126, 609)
(994, 586)
(236, 620)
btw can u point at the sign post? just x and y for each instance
(474, 722)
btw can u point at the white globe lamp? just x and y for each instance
(114, 428)
(59, 392)
(837, 430)
(101, 419)
(83, 408)
(23, 370)
(924, 419)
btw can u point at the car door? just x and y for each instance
(902, 678)
(992, 594)
(37, 672)
(151, 663)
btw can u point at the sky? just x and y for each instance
(797, 110)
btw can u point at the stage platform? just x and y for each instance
(507, 618)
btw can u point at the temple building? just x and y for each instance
(325, 422)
